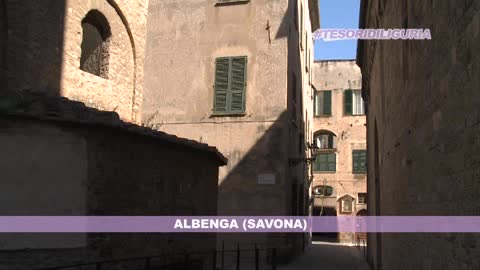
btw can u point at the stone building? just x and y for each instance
(71, 78)
(60, 157)
(340, 183)
(423, 129)
(237, 75)
(90, 51)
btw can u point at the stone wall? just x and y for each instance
(423, 126)
(3, 43)
(103, 171)
(44, 52)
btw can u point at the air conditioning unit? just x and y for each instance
(323, 190)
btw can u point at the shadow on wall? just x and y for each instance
(256, 185)
(3, 43)
(35, 44)
(240, 193)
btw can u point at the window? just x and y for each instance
(359, 158)
(346, 204)
(230, 84)
(325, 162)
(323, 103)
(326, 140)
(353, 102)
(95, 44)
(362, 198)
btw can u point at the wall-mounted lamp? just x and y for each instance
(313, 153)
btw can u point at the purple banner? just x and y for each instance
(237, 224)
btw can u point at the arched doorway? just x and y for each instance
(360, 236)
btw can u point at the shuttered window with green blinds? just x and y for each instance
(348, 100)
(359, 158)
(230, 84)
(325, 162)
(323, 103)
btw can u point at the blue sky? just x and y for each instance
(337, 14)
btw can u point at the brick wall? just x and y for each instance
(423, 126)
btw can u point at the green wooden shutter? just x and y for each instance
(237, 85)
(327, 102)
(221, 84)
(355, 161)
(348, 99)
(332, 162)
(359, 161)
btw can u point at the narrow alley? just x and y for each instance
(329, 256)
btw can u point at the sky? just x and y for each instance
(337, 14)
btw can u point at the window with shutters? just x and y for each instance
(230, 85)
(359, 158)
(323, 103)
(353, 102)
(325, 162)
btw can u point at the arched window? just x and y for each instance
(326, 140)
(95, 44)
(326, 158)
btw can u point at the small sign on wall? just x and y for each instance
(266, 179)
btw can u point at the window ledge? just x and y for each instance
(326, 150)
(230, 2)
(219, 114)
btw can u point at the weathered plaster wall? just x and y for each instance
(423, 129)
(93, 170)
(44, 41)
(183, 40)
(41, 176)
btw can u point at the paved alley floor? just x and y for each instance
(329, 256)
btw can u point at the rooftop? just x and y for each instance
(36, 105)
